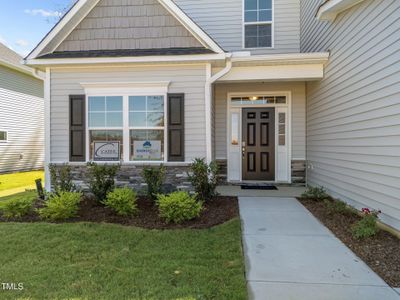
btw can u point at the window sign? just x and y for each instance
(147, 150)
(106, 151)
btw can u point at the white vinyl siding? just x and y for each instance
(22, 116)
(298, 113)
(187, 79)
(353, 114)
(223, 21)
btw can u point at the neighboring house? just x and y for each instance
(161, 81)
(21, 114)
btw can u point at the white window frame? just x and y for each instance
(244, 23)
(125, 90)
(6, 140)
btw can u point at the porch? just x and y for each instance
(258, 112)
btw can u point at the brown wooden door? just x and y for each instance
(258, 144)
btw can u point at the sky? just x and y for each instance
(23, 23)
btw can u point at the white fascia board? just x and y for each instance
(300, 72)
(23, 69)
(117, 60)
(330, 9)
(296, 58)
(57, 28)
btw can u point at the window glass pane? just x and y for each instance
(264, 4)
(147, 145)
(251, 30)
(264, 30)
(265, 15)
(251, 42)
(155, 103)
(281, 99)
(264, 41)
(250, 16)
(155, 119)
(235, 129)
(114, 103)
(137, 103)
(105, 136)
(250, 4)
(97, 119)
(97, 103)
(282, 140)
(137, 119)
(114, 119)
(3, 136)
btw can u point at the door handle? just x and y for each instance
(243, 149)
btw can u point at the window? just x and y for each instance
(258, 16)
(105, 121)
(259, 100)
(282, 128)
(146, 128)
(3, 136)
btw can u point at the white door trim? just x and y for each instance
(238, 108)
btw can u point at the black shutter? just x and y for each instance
(176, 127)
(77, 128)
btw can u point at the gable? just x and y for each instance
(128, 24)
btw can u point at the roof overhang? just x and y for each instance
(62, 62)
(83, 7)
(283, 67)
(331, 8)
(23, 69)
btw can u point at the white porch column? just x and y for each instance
(208, 113)
(47, 149)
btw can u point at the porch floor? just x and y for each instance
(291, 255)
(282, 191)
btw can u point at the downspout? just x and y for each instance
(210, 79)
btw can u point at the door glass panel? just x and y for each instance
(235, 129)
(282, 128)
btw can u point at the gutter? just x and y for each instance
(210, 79)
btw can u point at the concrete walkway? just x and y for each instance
(17, 190)
(291, 255)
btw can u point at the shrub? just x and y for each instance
(204, 178)
(154, 178)
(61, 178)
(367, 226)
(178, 207)
(101, 179)
(17, 208)
(122, 201)
(317, 193)
(338, 207)
(61, 206)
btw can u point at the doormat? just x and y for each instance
(258, 187)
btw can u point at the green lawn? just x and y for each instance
(102, 261)
(15, 180)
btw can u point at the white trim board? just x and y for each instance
(171, 7)
(329, 10)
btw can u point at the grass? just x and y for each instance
(31, 194)
(103, 261)
(16, 180)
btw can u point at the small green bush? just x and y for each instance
(367, 226)
(61, 178)
(17, 208)
(204, 178)
(101, 179)
(338, 207)
(122, 201)
(317, 193)
(61, 206)
(178, 207)
(154, 178)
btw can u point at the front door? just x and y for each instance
(258, 144)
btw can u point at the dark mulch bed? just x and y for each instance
(217, 211)
(381, 252)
